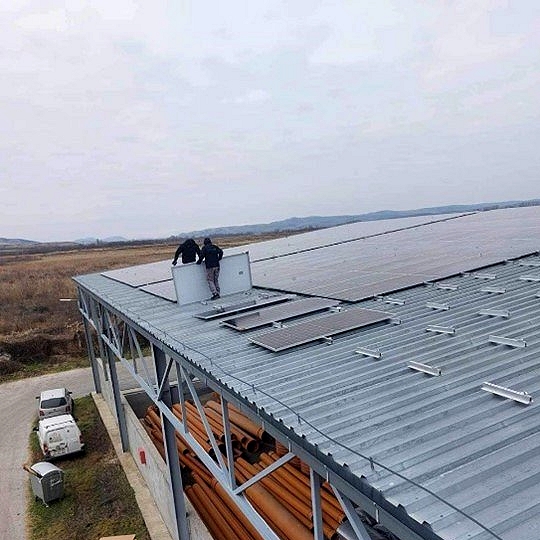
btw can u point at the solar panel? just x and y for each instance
(323, 327)
(329, 236)
(358, 269)
(223, 309)
(163, 289)
(142, 274)
(279, 313)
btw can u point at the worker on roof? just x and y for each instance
(211, 255)
(189, 250)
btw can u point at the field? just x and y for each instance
(40, 326)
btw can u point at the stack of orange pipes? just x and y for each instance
(283, 497)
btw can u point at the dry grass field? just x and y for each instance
(41, 333)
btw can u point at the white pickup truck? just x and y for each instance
(59, 436)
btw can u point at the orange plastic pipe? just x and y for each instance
(293, 485)
(247, 441)
(216, 486)
(300, 510)
(226, 531)
(224, 510)
(287, 477)
(326, 490)
(257, 500)
(242, 421)
(194, 498)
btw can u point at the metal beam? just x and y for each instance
(207, 427)
(165, 380)
(265, 472)
(124, 438)
(140, 355)
(352, 516)
(228, 441)
(171, 450)
(95, 318)
(92, 356)
(315, 482)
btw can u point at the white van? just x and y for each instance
(59, 436)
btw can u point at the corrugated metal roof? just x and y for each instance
(474, 450)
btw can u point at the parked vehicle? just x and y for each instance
(54, 402)
(59, 436)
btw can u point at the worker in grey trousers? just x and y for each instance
(211, 255)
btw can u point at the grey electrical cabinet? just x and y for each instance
(47, 481)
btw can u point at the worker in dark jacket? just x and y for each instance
(189, 250)
(211, 255)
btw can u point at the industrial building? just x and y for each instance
(398, 360)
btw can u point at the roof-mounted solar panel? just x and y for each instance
(320, 328)
(281, 312)
(142, 274)
(163, 289)
(221, 310)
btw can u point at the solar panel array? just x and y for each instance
(322, 327)
(329, 236)
(163, 289)
(142, 274)
(361, 269)
(279, 313)
(224, 309)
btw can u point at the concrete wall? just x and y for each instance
(154, 471)
(106, 386)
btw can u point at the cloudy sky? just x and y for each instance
(146, 119)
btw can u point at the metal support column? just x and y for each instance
(117, 400)
(181, 397)
(228, 440)
(162, 368)
(92, 356)
(96, 317)
(315, 483)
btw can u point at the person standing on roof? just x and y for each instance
(189, 250)
(211, 255)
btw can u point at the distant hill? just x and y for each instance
(109, 240)
(291, 224)
(16, 242)
(321, 222)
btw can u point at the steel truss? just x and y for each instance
(119, 338)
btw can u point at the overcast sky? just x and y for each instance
(146, 119)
